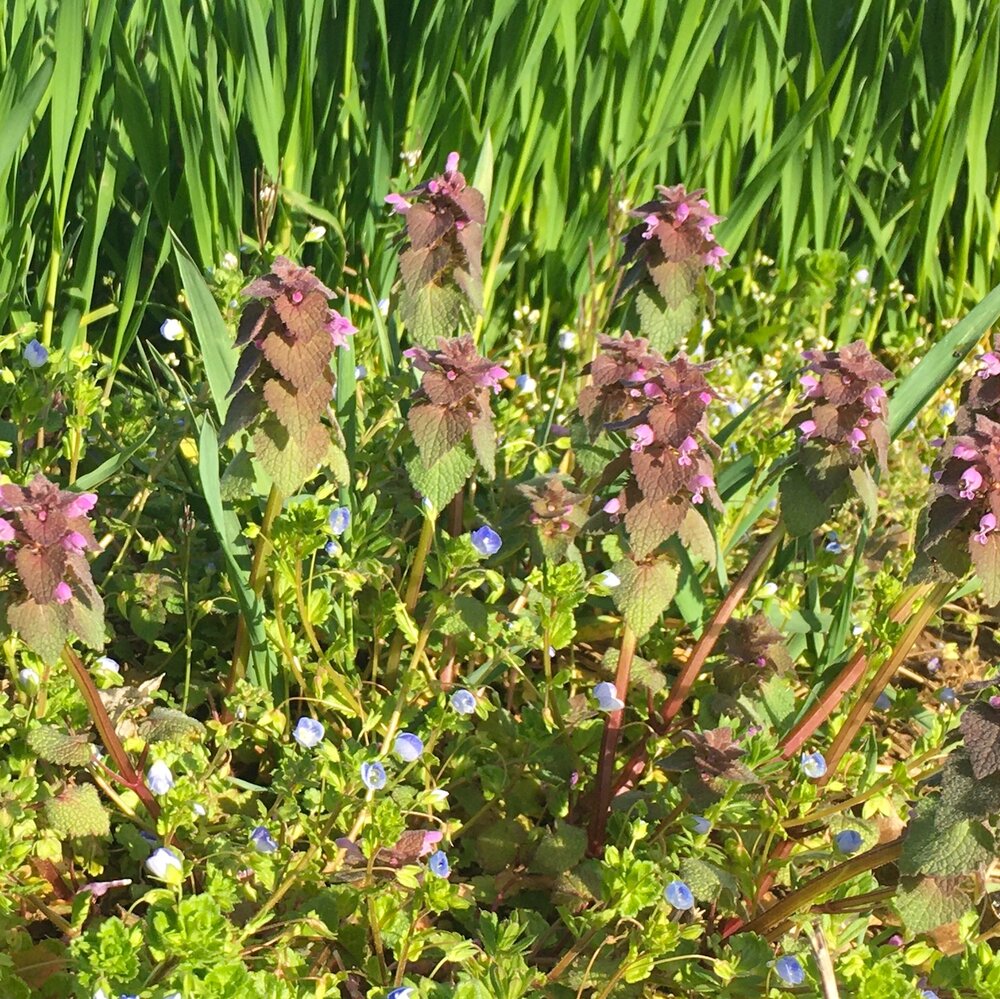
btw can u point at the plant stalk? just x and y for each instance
(609, 744)
(258, 573)
(106, 730)
(412, 594)
(933, 602)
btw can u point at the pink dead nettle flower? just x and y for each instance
(81, 505)
(398, 204)
(987, 524)
(74, 542)
(643, 436)
(612, 506)
(700, 484)
(6, 530)
(970, 482)
(340, 328)
(688, 447)
(990, 365)
(62, 594)
(964, 452)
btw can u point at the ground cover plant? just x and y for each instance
(551, 564)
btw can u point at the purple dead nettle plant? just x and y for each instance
(656, 411)
(441, 254)
(450, 410)
(284, 378)
(842, 431)
(959, 529)
(556, 512)
(665, 257)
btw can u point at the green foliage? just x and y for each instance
(57, 746)
(77, 812)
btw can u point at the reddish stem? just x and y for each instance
(105, 727)
(933, 602)
(702, 650)
(850, 676)
(609, 744)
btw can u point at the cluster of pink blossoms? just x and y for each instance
(47, 533)
(846, 404)
(661, 405)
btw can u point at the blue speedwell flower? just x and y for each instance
(463, 702)
(883, 702)
(848, 841)
(373, 776)
(35, 354)
(308, 732)
(263, 841)
(408, 746)
(437, 863)
(485, 540)
(678, 894)
(160, 861)
(813, 765)
(701, 824)
(339, 520)
(789, 969)
(607, 697)
(159, 778)
(403, 992)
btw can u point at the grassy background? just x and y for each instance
(872, 130)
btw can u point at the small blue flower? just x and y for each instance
(263, 841)
(373, 776)
(162, 861)
(833, 545)
(485, 540)
(883, 702)
(463, 702)
(360, 372)
(848, 841)
(403, 992)
(606, 695)
(149, 837)
(171, 329)
(947, 409)
(437, 863)
(609, 579)
(701, 824)
(28, 679)
(408, 746)
(678, 894)
(928, 994)
(159, 778)
(332, 549)
(789, 969)
(526, 385)
(813, 765)
(308, 732)
(948, 696)
(339, 520)
(35, 354)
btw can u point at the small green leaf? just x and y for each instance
(439, 483)
(645, 592)
(77, 812)
(924, 904)
(56, 746)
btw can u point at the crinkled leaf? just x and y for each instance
(484, 443)
(645, 592)
(436, 430)
(961, 848)
(42, 627)
(439, 483)
(431, 312)
(560, 850)
(650, 522)
(165, 724)
(963, 796)
(56, 746)
(290, 460)
(40, 571)
(981, 736)
(696, 536)
(76, 812)
(924, 904)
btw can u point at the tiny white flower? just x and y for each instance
(383, 306)
(862, 275)
(199, 809)
(606, 695)
(567, 339)
(526, 385)
(706, 325)
(106, 662)
(28, 679)
(159, 778)
(171, 329)
(315, 234)
(230, 261)
(267, 194)
(609, 579)
(533, 316)
(768, 590)
(162, 862)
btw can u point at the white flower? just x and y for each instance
(106, 662)
(383, 306)
(862, 275)
(28, 679)
(163, 862)
(567, 339)
(159, 778)
(308, 732)
(199, 809)
(706, 325)
(768, 590)
(171, 329)
(315, 234)
(267, 194)
(525, 384)
(609, 579)
(230, 261)
(607, 697)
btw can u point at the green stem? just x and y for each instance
(412, 594)
(798, 899)
(609, 744)
(106, 730)
(258, 573)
